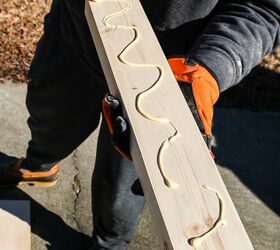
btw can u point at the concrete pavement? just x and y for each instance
(247, 148)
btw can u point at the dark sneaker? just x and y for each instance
(15, 176)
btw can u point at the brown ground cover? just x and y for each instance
(21, 25)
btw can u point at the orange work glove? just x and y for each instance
(200, 90)
(117, 125)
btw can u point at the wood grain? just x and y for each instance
(189, 210)
(15, 231)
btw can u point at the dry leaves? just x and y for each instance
(21, 25)
(272, 61)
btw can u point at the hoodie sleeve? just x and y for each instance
(237, 37)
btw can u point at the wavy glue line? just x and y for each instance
(196, 241)
(165, 145)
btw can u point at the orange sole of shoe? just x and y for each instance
(38, 184)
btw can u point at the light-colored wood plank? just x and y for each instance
(196, 198)
(15, 231)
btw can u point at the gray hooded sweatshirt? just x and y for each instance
(229, 37)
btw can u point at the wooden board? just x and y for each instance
(195, 203)
(15, 232)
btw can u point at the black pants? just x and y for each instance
(65, 108)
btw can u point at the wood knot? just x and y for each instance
(195, 229)
(209, 221)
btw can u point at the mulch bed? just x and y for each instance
(272, 62)
(21, 25)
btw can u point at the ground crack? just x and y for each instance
(76, 186)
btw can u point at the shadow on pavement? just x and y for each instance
(46, 224)
(248, 143)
